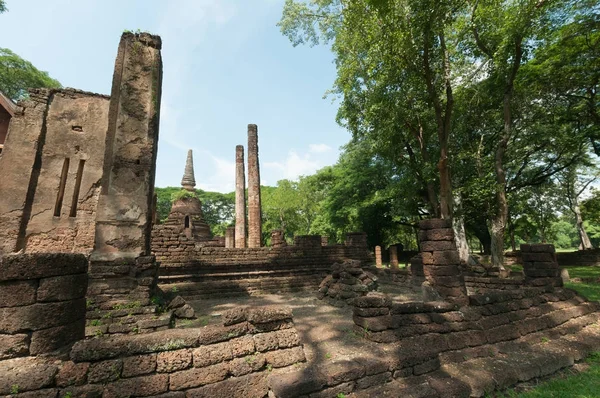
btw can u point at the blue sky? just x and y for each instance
(225, 65)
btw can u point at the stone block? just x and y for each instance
(436, 234)
(266, 341)
(105, 371)
(440, 258)
(62, 288)
(197, 377)
(233, 316)
(41, 316)
(72, 374)
(435, 223)
(214, 334)
(48, 340)
(247, 364)
(249, 386)
(17, 293)
(12, 346)
(336, 391)
(342, 371)
(41, 265)
(286, 357)
(242, 346)
(267, 314)
(287, 338)
(173, 361)
(142, 386)
(370, 312)
(297, 383)
(374, 324)
(372, 300)
(211, 354)
(28, 373)
(139, 365)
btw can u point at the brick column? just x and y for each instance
(240, 198)
(441, 260)
(277, 238)
(378, 261)
(124, 215)
(254, 210)
(394, 256)
(230, 237)
(540, 266)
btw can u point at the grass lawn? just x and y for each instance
(579, 385)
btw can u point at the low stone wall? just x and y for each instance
(476, 284)
(232, 360)
(211, 272)
(579, 257)
(540, 266)
(42, 302)
(347, 281)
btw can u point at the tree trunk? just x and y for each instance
(460, 236)
(586, 244)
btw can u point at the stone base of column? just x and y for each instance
(441, 260)
(540, 266)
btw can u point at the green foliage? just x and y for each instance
(17, 75)
(589, 286)
(3, 6)
(182, 194)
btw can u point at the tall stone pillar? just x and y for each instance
(240, 198)
(124, 215)
(394, 256)
(230, 237)
(254, 210)
(378, 261)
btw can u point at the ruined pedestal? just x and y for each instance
(254, 209)
(278, 239)
(540, 266)
(441, 260)
(240, 198)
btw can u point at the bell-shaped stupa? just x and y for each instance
(186, 213)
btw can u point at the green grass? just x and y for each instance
(587, 288)
(580, 385)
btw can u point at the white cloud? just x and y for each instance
(222, 180)
(319, 148)
(295, 165)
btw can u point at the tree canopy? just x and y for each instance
(17, 75)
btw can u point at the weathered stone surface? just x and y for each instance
(441, 245)
(28, 373)
(188, 181)
(267, 314)
(72, 374)
(177, 302)
(254, 208)
(250, 386)
(297, 383)
(17, 293)
(233, 316)
(266, 341)
(197, 377)
(435, 223)
(31, 266)
(142, 386)
(240, 198)
(105, 371)
(211, 354)
(247, 364)
(185, 312)
(62, 288)
(286, 357)
(41, 316)
(172, 361)
(113, 346)
(48, 340)
(11, 346)
(139, 365)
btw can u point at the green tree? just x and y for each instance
(17, 75)
(3, 6)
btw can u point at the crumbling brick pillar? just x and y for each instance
(121, 268)
(278, 238)
(230, 237)
(240, 198)
(394, 256)
(254, 209)
(441, 260)
(378, 261)
(324, 241)
(540, 266)
(42, 302)
(124, 214)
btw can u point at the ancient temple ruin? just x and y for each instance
(90, 290)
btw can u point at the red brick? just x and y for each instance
(281, 358)
(139, 365)
(172, 361)
(197, 377)
(211, 354)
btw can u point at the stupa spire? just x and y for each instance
(188, 181)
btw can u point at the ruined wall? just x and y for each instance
(233, 360)
(42, 303)
(198, 271)
(51, 170)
